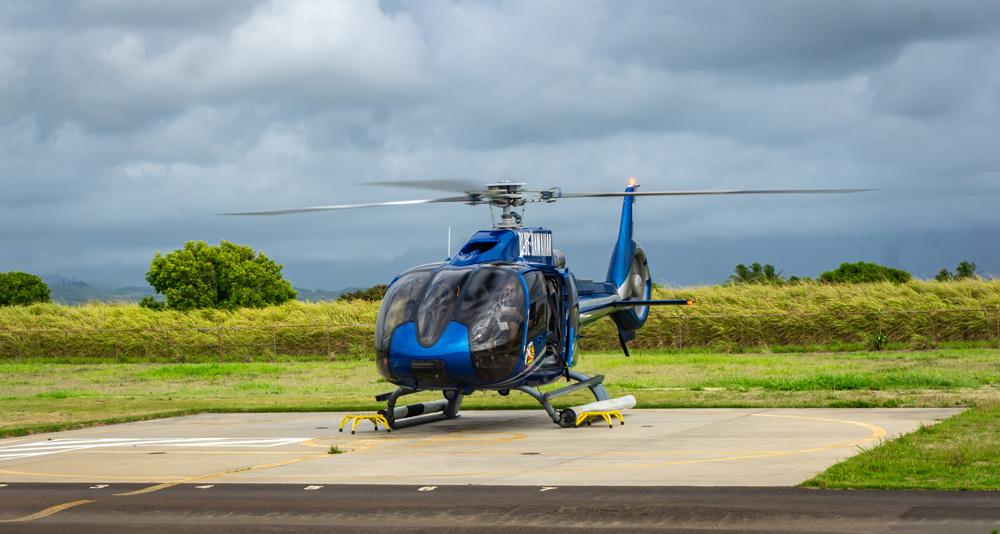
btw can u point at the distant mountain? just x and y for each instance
(76, 292)
(71, 291)
(318, 295)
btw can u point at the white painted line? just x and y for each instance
(99, 486)
(54, 446)
(548, 488)
(310, 488)
(205, 487)
(427, 488)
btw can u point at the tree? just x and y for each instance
(226, 276)
(944, 275)
(371, 294)
(964, 270)
(860, 272)
(20, 289)
(755, 274)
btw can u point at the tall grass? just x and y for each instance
(743, 318)
(918, 314)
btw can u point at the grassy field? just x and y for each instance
(739, 346)
(734, 319)
(961, 453)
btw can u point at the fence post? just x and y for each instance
(220, 343)
(934, 324)
(327, 341)
(66, 344)
(116, 345)
(274, 343)
(880, 320)
(680, 343)
(20, 346)
(742, 338)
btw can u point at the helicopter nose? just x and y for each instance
(443, 365)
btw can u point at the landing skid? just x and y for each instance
(564, 419)
(447, 408)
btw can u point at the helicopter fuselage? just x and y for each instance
(496, 316)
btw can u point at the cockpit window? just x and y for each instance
(399, 303)
(438, 304)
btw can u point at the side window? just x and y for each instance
(537, 304)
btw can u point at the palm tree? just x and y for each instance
(966, 270)
(755, 274)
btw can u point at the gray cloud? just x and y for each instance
(125, 127)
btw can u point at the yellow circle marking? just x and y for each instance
(877, 433)
(365, 446)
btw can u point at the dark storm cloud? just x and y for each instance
(125, 126)
(788, 40)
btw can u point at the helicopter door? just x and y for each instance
(538, 306)
(492, 307)
(555, 317)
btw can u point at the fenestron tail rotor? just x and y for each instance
(508, 195)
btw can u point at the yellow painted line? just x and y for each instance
(592, 453)
(175, 452)
(216, 475)
(514, 436)
(88, 477)
(46, 512)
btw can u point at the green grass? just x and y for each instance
(960, 453)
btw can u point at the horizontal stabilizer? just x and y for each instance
(634, 303)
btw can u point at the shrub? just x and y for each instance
(861, 272)
(372, 294)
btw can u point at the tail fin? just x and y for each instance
(629, 273)
(621, 257)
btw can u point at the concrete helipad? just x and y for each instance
(690, 447)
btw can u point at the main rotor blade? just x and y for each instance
(454, 186)
(350, 206)
(719, 192)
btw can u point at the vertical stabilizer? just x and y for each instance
(621, 257)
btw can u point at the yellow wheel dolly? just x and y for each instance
(606, 414)
(374, 418)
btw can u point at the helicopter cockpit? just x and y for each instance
(479, 312)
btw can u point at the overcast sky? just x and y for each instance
(126, 126)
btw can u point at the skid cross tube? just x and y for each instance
(582, 381)
(448, 408)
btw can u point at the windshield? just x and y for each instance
(489, 301)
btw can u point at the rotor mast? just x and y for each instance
(506, 195)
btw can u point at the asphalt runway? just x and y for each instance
(504, 471)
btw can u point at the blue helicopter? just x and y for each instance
(504, 313)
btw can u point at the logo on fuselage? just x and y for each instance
(535, 243)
